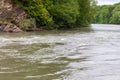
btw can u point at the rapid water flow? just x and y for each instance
(82, 54)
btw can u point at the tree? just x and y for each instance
(65, 13)
(59, 14)
(115, 18)
(86, 10)
(108, 14)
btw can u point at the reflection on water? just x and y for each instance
(81, 54)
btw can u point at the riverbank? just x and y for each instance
(49, 15)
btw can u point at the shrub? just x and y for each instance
(28, 24)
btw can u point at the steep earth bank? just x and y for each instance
(11, 16)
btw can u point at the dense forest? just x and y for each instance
(59, 14)
(108, 14)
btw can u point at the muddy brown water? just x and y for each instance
(82, 54)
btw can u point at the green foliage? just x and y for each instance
(65, 13)
(38, 10)
(7, 20)
(28, 24)
(103, 14)
(87, 11)
(59, 14)
(108, 14)
(3, 20)
(115, 18)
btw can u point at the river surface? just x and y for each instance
(82, 54)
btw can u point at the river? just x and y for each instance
(91, 53)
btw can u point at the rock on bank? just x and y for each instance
(9, 27)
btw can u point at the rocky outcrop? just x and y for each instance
(9, 27)
(12, 13)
